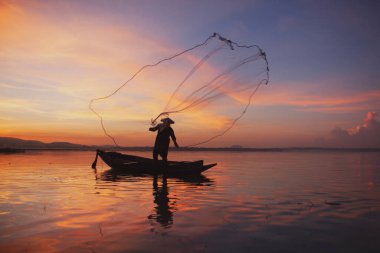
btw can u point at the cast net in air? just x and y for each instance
(206, 89)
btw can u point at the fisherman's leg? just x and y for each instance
(164, 155)
(165, 161)
(155, 155)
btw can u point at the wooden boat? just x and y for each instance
(138, 164)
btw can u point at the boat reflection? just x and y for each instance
(119, 175)
(165, 204)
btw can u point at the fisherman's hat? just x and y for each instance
(168, 120)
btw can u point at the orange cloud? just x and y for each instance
(330, 102)
(365, 135)
(370, 121)
(51, 69)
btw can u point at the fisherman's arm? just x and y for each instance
(172, 135)
(153, 128)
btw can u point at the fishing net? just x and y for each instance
(205, 89)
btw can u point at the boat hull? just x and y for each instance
(137, 164)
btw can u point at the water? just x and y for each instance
(250, 202)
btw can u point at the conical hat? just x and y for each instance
(168, 120)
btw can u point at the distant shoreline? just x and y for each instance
(15, 145)
(192, 149)
(11, 150)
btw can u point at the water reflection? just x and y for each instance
(164, 202)
(164, 208)
(261, 202)
(119, 176)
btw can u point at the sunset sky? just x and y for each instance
(324, 58)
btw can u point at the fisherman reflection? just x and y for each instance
(163, 211)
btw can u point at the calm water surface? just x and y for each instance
(250, 202)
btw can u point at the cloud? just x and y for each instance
(302, 97)
(365, 135)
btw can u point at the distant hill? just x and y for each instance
(15, 143)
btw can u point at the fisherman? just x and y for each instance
(161, 145)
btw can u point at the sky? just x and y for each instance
(55, 56)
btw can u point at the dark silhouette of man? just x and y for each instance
(161, 145)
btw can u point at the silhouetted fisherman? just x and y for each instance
(161, 145)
